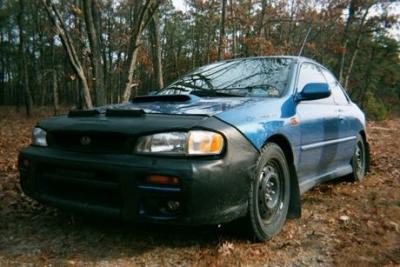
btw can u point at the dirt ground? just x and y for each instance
(342, 224)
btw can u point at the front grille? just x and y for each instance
(86, 188)
(96, 142)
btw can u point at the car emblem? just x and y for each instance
(85, 140)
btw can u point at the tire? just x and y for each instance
(359, 160)
(269, 194)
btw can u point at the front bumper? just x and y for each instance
(211, 190)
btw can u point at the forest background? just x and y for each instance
(85, 53)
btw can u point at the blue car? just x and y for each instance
(237, 139)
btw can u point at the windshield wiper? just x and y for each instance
(270, 90)
(250, 87)
(212, 93)
(199, 91)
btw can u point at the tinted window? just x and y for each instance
(310, 73)
(246, 77)
(337, 92)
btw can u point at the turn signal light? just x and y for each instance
(161, 179)
(205, 143)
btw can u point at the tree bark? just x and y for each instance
(156, 50)
(222, 32)
(367, 78)
(356, 48)
(143, 16)
(233, 30)
(345, 38)
(131, 69)
(96, 55)
(70, 50)
(2, 68)
(55, 80)
(23, 66)
(55, 92)
(261, 25)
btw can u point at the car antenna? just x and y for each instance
(305, 40)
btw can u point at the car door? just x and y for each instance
(347, 133)
(318, 125)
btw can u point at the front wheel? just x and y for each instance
(359, 159)
(269, 193)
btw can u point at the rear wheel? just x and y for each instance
(359, 160)
(269, 193)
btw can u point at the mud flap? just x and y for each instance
(294, 202)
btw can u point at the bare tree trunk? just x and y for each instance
(54, 76)
(78, 94)
(3, 65)
(261, 25)
(109, 80)
(356, 48)
(233, 30)
(27, 91)
(345, 38)
(222, 32)
(262, 16)
(89, 8)
(156, 50)
(24, 67)
(246, 31)
(55, 92)
(2, 68)
(290, 27)
(350, 68)
(131, 69)
(367, 79)
(70, 49)
(144, 14)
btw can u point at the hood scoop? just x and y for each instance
(83, 113)
(163, 98)
(107, 113)
(124, 112)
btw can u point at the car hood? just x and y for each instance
(255, 117)
(184, 104)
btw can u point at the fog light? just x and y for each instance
(161, 179)
(173, 205)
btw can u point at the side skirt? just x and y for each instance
(310, 183)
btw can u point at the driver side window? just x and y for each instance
(310, 73)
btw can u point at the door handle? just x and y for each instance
(340, 114)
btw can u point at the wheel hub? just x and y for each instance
(359, 156)
(269, 192)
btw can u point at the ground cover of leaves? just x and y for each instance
(342, 224)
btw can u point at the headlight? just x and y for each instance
(205, 143)
(196, 142)
(39, 137)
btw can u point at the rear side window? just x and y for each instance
(337, 91)
(310, 73)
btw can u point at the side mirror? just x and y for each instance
(314, 91)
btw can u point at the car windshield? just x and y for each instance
(262, 77)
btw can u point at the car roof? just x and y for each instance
(299, 59)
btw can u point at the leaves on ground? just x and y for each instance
(343, 223)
